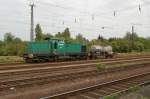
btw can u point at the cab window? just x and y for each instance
(55, 45)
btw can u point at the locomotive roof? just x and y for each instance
(53, 39)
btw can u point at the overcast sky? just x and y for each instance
(81, 16)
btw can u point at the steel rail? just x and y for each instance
(67, 66)
(56, 96)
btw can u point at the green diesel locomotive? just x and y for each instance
(54, 49)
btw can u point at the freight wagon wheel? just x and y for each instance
(84, 58)
(28, 60)
(106, 56)
(111, 56)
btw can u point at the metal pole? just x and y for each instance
(32, 23)
(132, 37)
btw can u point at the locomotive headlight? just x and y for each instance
(30, 55)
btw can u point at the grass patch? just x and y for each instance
(128, 64)
(113, 96)
(119, 94)
(134, 88)
(7, 59)
(133, 54)
(100, 67)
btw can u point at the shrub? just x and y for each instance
(100, 67)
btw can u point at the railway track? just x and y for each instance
(16, 74)
(6, 84)
(35, 67)
(60, 62)
(100, 90)
(22, 65)
(24, 78)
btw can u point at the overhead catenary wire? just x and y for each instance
(79, 15)
(84, 12)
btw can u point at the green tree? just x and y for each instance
(119, 45)
(39, 34)
(139, 47)
(81, 39)
(1, 47)
(130, 36)
(8, 37)
(48, 35)
(101, 38)
(17, 40)
(59, 35)
(11, 45)
(66, 34)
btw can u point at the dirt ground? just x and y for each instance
(143, 93)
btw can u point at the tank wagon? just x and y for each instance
(55, 49)
(97, 51)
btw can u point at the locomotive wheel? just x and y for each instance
(56, 58)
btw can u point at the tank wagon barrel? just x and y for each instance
(101, 51)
